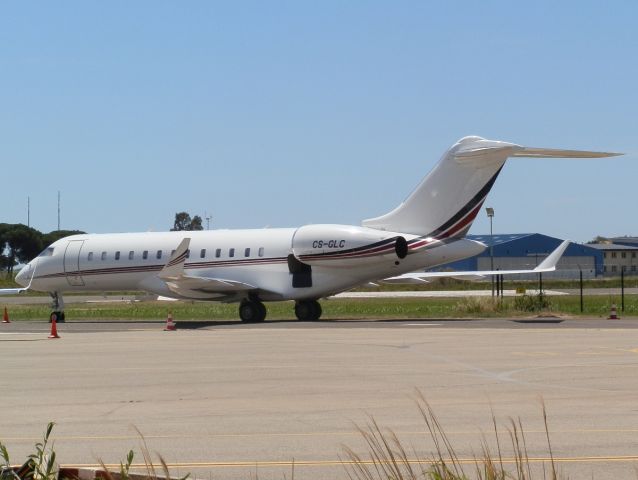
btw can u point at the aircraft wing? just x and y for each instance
(12, 291)
(18, 290)
(547, 265)
(193, 286)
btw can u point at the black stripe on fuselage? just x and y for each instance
(157, 268)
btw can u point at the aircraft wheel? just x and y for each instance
(262, 311)
(252, 311)
(308, 310)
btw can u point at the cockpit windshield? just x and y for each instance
(47, 252)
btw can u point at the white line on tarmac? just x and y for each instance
(421, 324)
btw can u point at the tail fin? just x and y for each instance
(447, 200)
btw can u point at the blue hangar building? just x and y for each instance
(525, 251)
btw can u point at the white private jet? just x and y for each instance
(302, 264)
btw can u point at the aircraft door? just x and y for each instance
(301, 273)
(72, 263)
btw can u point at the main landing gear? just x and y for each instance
(308, 310)
(57, 307)
(252, 311)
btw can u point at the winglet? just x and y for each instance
(549, 264)
(16, 291)
(174, 268)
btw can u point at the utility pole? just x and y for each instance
(490, 214)
(208, 218)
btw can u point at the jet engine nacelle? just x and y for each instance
(344, 246)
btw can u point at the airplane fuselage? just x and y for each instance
(261, 258)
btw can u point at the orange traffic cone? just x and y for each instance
(5, 317)
(54, 326)
(170, 325)
(614, 314)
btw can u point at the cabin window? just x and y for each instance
(158, 255)
(145, 254)
(90, 257)
(103, 255)
(117, 255)
(218, 253)
(202, 253)
(247, 252)
(231, 252)
(131, 255)
(261, 251)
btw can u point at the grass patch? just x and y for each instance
(334, 309)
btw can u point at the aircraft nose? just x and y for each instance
(22, 278)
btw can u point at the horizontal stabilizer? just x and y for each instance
(558, 153)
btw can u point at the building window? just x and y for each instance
(218, 253)
(117, 255)
(145, 254)
(103, 255)
(623, 255)
(613, 254)
(131, 255)
(605, 269)
(202, 253)
(604, 254)
(613, 268)
(90, 257)
(633, 268)
(247, 252)
(158, 255)
(633, 254)
(261, 251)
(231, 252)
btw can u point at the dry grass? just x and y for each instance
(389, 459)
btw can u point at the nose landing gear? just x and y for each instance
(57, 307)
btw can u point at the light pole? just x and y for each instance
(490, 214)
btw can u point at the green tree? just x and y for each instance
(55, 235)
(183, 221)
(21, 243)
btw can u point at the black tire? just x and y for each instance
(252, 312)
(316, 310)
(307, 310)
(262, 311)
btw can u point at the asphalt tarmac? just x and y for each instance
(226, 400)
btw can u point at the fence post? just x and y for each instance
(581, 291)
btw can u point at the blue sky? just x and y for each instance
(287, 113)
